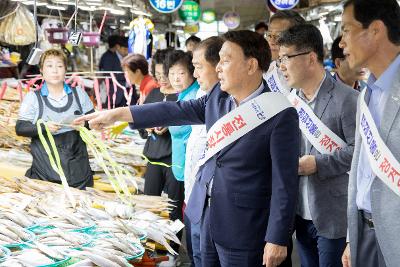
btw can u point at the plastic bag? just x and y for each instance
(18, 28)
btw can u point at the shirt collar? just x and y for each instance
(301, 94)
(119, 55)
(251, 96)
(385, 80)
(44, 91)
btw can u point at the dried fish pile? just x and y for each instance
(34, 257)
(100, 229)
(11, 232)
(8, 117)
(125, 149)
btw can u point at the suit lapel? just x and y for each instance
(391, 109)
(323, 98)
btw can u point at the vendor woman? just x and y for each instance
(57, 104)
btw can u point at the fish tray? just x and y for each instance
(22, 245)
(7, 253)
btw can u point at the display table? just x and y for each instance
(8, 171)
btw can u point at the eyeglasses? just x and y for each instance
(284, 59)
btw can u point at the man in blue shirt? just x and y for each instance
(371, 39)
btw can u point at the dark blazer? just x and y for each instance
(255, 178)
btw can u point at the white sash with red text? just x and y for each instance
(274, 82)
(240, 121)
(383, 163)
(321, 137)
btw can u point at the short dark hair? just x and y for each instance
(336, 50)
(123, 41)
(304, 37)
(54, 53)
(253, 45)
(261, 25)
(211, 47)
(113, 40)
(193, 38)
(135, 62)
(292, 16)
(178, 57)
(159, 58)
(388, 11)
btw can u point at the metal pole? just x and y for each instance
(91, 48)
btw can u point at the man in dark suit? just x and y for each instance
(111, 61)
(246, 194)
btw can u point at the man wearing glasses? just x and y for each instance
(279, 22)
(321, 215)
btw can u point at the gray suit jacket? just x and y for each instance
(336, 106)
(385, 204)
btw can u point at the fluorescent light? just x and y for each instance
(140, 13)
(70, 3)
(93, 4)
(87, 8)
(33, 2)
(124, 5)
(117, 12)
(56, 7)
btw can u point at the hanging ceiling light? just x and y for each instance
(65, 2)
(87, 8)
(38, 3)
(57, 7)
(112, 8)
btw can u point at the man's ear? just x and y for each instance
(337, 62)
(252, 65)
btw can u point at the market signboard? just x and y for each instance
(231, 19)
(191, 29)
(208, 16)
(284, 4)
(166, 6)
(190, 12)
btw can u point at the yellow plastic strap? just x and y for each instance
(117, 174)
(55, 164)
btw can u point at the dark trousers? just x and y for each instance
(193, 242)
(316, 250)
(215, 255)
(158, 179)
(369, 253)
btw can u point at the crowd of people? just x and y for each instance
(262, 142)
